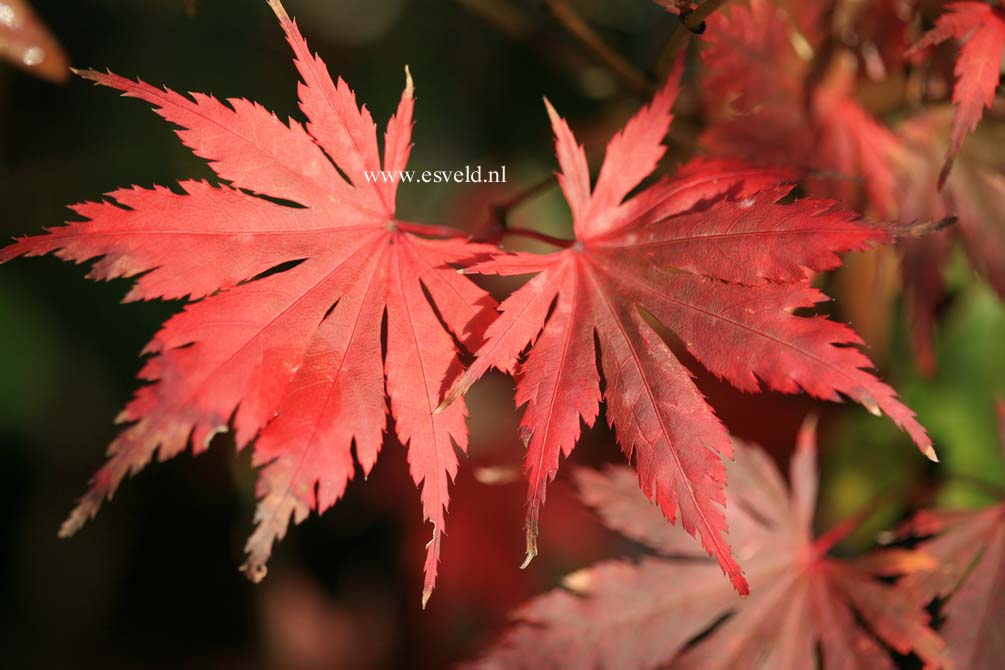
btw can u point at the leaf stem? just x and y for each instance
(526, 194)
(918, 228)
(540, 237)
(431, 231)
(497, 222)
(630, 75)
(498, 227)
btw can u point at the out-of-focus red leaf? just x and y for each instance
(759, 61)
(968, 549)
(972, 193)
(27, 43)
(981, 28)
(302, 627)
(624, 615)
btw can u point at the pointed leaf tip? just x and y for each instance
(531, 549)
(255, 571)
(579, 581)
(448, 400)
(280, 11)
(85, 510)
(71, 525)
(87, 73)
(452, 395)
(552, 113)
(532, 532)
(807, 437)
(409, 84)
(871, 406)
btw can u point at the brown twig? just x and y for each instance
(510, 21)
(498, 227)
(447, 233)
(496, 222)
(631, 76)
(540, 237)
(920, 228)
(500, 210)
(691, 23)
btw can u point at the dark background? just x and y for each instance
(153, 581)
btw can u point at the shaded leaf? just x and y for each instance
(27, 43)
(624, 615)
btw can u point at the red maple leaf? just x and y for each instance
(291, 355)
(625, 615)
(981, 27)
(759, 70)
(709, 254)
(968, 549)
(26, 42)
(972, 192)
(968, 571)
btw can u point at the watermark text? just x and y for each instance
(469, 175)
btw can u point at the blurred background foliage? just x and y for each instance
(153, 581)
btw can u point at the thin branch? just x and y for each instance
(497, 224)
(691, 23)
(502, 209)
(507, 19)
(629, 74)
(918, 228)
(540, 237)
